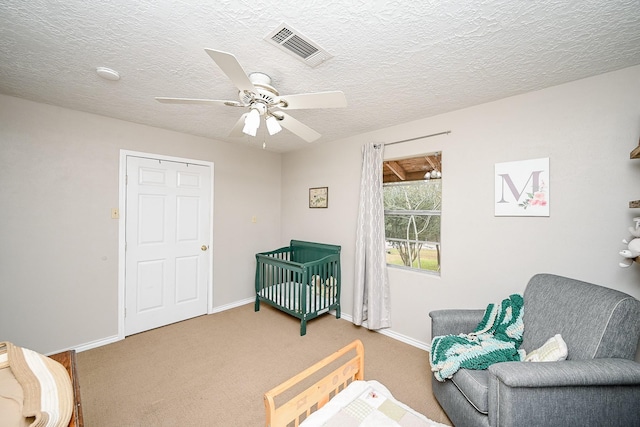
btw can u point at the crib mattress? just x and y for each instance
(287, 294)
(367, 403)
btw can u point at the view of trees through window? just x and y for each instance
(412, 223)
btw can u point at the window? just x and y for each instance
(412, 191)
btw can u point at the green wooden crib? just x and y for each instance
(302, 279)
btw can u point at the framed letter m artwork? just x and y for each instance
(522, 188)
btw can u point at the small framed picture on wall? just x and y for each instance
(319, 197)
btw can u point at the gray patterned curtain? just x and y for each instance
(371, 302)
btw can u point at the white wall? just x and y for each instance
(587, 129)
(58, 243)
(59, 180)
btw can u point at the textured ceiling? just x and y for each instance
(396, 61)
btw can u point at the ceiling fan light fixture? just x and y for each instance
(259, 98)
(251, 122)
(253, 118)
(272, 125)
(250, 130)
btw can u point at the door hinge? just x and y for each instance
(126, 180)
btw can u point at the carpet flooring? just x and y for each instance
(213, 370)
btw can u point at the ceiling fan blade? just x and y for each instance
(297, 127)
(166, 100)
(334, 99)
(236, 131)
(232, 68)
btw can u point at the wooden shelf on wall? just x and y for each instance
(635, 154)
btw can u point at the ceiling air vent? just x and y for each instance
(294, 43)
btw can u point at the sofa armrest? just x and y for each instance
(454, 322)
(567, 373)
(593, 392)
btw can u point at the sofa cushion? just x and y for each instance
(473, 384)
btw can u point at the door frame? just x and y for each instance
(122, 193)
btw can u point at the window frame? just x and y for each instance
(416, 212)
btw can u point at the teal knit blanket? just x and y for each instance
(496, 339)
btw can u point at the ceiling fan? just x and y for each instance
(256, 95)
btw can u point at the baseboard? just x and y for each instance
(405, 339)
(97, 343)
(232, 305)
(115, 338)
(396, 336)
(391, 334)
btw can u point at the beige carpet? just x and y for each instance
(213, 370)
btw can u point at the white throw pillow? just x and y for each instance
(554, 350)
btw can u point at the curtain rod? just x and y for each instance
(418, 137)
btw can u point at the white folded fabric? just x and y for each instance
(554, 350)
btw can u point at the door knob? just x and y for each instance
(204, 247)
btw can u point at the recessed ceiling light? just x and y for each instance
(108, 73)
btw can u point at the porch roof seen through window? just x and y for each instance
(410, 169)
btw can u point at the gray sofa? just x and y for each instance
(598, 384)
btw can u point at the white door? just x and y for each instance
(167, 235)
